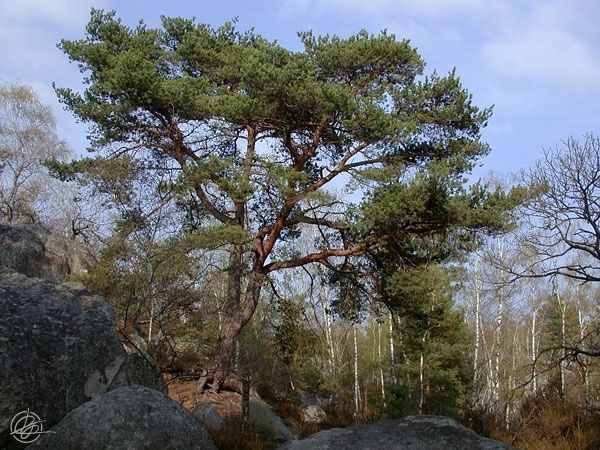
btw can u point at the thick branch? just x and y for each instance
(217, 214)
(313, 257)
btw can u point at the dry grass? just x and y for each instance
(231, 437)
(549, 423)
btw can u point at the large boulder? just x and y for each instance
(140, 369)
(58, 349)
(208, 415)
(411, 433)
(313, 414)
(128, 418)
(228, 405)
(36, 252)
(312, 407)
(267, 423)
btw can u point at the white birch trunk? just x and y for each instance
(561, 366)
(498, 333)
(422, 375)
(151, 322)
(391, 336)
(356, 386)
(475, 392)
(328, 334)
(584, 368)
(534, 350)
(381, 378)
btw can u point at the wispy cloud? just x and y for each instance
(61, 13)
(547, 43)
(28, 30)
(549, 55)
(423, 9)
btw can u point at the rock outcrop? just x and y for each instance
(267, 423)
(313, 414)
(36, 252)
(411, 433)
(58, 349)
(209, 406)
(208, 415)
(312, 407)
(128, 418)
(139, 369)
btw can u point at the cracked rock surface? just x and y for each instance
(58, 349)
(129, 418)
(410, 433)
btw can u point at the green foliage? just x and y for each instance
(153, 288)
(434, 218)
(422, 298)
(243, 138)
(192, 102)
(145, 84)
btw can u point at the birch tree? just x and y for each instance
(27, 139)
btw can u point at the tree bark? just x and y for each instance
(328, 331)
(391, 338)
(380, 362)
(534, 349)
(422, 382)
(498, 331)
(356, 385)
(562, 307)
(475, 391)
(584, 366)
(237, 314)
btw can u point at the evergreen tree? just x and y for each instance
(435, 340)
(251, 136)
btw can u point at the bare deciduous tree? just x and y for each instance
(27, 138)
(564, 220)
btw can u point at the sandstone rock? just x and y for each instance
(208, 415)
(410, 433)
(308, 398)
(58, 349)
(36, 252)
(313, 414)
(269, 424)
(128, 418)
(139, 369)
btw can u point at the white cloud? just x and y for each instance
(423, 9)
(551, 41)
(545, 54)
(65, 14)
(29, 30)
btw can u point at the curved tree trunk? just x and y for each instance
(237, 313)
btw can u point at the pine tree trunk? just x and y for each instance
(237, 313)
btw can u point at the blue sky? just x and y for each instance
(537, 62)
